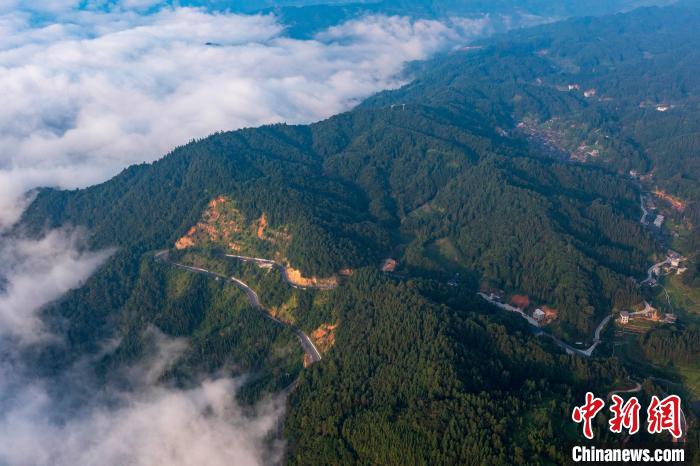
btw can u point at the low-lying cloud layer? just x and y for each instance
(36, 272)
(68, 419)
(90, 92)
(151, 425)
(157, 427)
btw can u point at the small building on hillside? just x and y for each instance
(550, 313)
(538, 315)
(649, 312)
(520, 301)
(663, 108)
(590, 93)
(673, 254)
(389, 265)
(659, 220)
(624, 317)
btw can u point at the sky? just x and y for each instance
(88, 91)
(90, 87)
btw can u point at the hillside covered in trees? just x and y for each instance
(449, 176)
(306, 18)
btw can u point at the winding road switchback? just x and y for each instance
(538, 330)
(306, 343)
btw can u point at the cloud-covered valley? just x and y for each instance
(88, 92)
(71, 420)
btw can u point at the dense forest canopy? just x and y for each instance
(442, 176)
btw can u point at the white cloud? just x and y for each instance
(91, 92)
(87, 92)
(36, 272)
(68, 418)
(156, 427)
(153, 425)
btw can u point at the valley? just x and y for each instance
(440, 273)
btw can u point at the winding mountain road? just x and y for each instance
(306, 343)
(645, 212)
(539, 332)
(635, 389)
(282, 267)
(638, 388)
(650, 270)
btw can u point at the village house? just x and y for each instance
(658, 221)
(520, 301)
(675, 258)
(550, 313)
(538, 315)
(624, 317)
(649, 312)
(389, 265)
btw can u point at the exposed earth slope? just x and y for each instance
(449, 180)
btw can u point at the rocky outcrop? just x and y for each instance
(295, 277)
(262, 223)
(324, 337)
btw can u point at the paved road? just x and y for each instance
(510, 308)
(306, 343)
(285, 276)
(645, 212)
(635, 389)
(539, 332)
(638, 388)
(643, 221)
(650, 270)
(601, 326)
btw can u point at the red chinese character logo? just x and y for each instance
(665, 415)
(587, 412)
(624, 415)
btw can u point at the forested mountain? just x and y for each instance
(304, 18)
(452, 195)
(448, 176)
(483, 396)
(640, 118)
